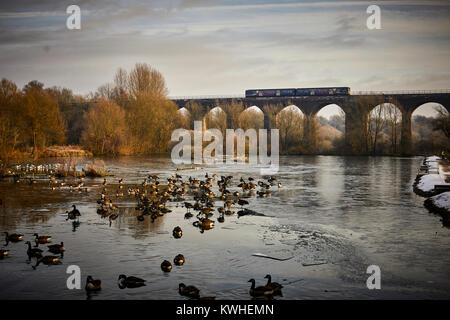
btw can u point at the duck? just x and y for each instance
(42, 239)
(130, 282)
(166, 266)
(57, 248)
(92, 285)
(179, 260)
(188, 291)
(48, 260)
(221, 218)
(177, 232)
(3, 253)
(33, 252)
(15, 237)
(259, 291)
(275, 286)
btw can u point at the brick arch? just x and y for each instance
(446, 107)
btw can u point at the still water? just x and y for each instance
(334, 216)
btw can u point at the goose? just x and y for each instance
(15, 237)
(57, 248)
(92, 285)
(259, 291)
(188, 206)
(3, 253)
(179, 260)
(188, 291)
(47, 260)
(113, 216)
(275, 286)
(130, 282)
(177, 232)
(33, 252)
(166, 266)
(242, 202)
(42, 239)
(75, 212)
(204, 224)
(228, 203)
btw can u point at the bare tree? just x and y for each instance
(442, 122)
(143, 79)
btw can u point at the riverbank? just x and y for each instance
(440, 204)
(66, 151)
(433, 182)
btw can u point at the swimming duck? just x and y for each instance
(275, 286)
(48, 260)
(130, 282)
(179, 260)
(42, 239)
(15, 237)
(3, 253)
(259, 291)
(166, 266)
(33, 252)
(188, 291)
(93, 285)
(177, 232)
(57, 248)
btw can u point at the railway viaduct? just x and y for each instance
(356, 107)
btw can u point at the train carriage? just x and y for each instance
(331, 91)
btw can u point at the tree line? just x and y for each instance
(131, 115)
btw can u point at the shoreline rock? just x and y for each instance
(440, 204)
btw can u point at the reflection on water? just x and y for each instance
(334, 215)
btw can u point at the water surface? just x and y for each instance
(341, 213)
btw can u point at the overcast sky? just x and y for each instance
(205, 47)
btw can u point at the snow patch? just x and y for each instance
(442, 200)
(428, 181)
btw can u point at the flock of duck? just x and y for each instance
(152, 197)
